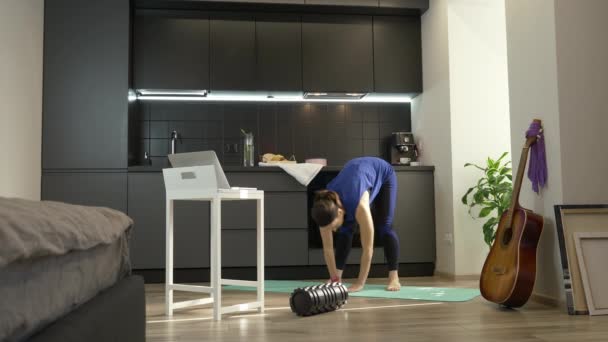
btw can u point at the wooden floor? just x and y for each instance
(369, 319)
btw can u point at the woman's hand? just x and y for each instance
(333, 280)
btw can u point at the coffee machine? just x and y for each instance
(402, 148)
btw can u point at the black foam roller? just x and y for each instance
(312, 300)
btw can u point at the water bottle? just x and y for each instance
(248, 149)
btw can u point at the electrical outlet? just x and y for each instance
(449, 238)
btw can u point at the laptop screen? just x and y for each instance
(201, 158)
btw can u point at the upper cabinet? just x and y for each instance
(274, 52)
(397, 54)
(363, 3)
(85, 84)
(171, 52)
(279, 52)
(422, 5)
(233, 52)
(337, 53)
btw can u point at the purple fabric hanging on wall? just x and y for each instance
(537, 170)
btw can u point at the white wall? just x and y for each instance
(582, 74)
(461, 116)
(533, 92)
(479, 98)
(431, 125)
(21, 36)
(557, 53)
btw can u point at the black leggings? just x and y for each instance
(383, 210)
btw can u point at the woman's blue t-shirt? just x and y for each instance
(357, 176)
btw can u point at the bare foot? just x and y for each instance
(356, 287)
(393, 285)
(393, 281)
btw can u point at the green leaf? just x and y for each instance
(464, 198)
(478, 197)
(475, 165)
(502, 156)
(485, 211)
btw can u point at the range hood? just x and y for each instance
(169, 93)
(263, 96)
(334, 96)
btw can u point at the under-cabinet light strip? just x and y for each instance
(260, 98)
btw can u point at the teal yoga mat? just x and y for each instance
(440, 294)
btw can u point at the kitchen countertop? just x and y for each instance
(146, 168)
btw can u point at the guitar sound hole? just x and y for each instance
(507, 236)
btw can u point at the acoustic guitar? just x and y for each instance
(509, 272)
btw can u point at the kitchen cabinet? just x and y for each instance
(414, 219)
(285, 219)
(397, 54)
(85, 84)
(279, 2)
(171, 52)
(279, 52)
(362, 3)
(233, 53)
(107, 189)
(316, 258)
(285, 210)
(423, 5)
(337, 53)
(282, 248)
(147, 208)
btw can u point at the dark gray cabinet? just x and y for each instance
(362, 3)
(86, 188)
(279, 52)
(397, 54)
(233, 54)
(337, 53)
(147, 208)
(170, 52)
(282, 248)
(315, 256)
(284, 210)
(414, 219)
(280, 2)
(405, 4)
(86, 80)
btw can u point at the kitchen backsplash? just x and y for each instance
(338, 132)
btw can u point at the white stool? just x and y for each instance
(199, 183)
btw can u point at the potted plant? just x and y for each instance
(491, 197)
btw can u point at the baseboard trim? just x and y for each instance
(451, 276)
(194, 275)
(545, 300)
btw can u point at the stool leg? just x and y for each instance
(169, 260)
(260, 252)
(216, 257)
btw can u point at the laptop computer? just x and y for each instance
(203, 158)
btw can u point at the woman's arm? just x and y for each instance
(366, 230)
(328, 252)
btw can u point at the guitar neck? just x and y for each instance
(519, 178)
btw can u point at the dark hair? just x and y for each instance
(325, 207)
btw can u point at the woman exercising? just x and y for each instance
(362, 181)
